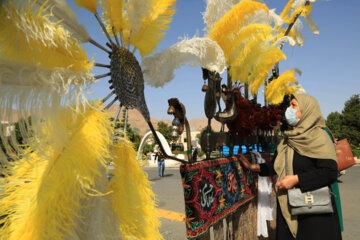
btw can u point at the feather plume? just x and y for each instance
(90, 5)
(132, 195)
(216, 9)
(296, 32)
(245, 42)
(40, 93)
(204, 52)
(153, 27)
(27, 37)
(281, 41)
(286, 9)
(311, 25)
(61, 11)
(114, 15)
(260, 72)
(276, 89)
(233, 21)
(98, 220)
(136, 11)
(275, 18)
(64, 174)
(298, 3)
(302, 10)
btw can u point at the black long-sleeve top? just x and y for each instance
(313, 173)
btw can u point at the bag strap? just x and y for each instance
(332, 135)
(286, 161)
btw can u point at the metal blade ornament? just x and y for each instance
(128, 83)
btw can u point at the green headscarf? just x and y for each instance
(307, 138)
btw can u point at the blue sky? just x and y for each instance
(330, 61)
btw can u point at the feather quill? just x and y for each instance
(90, 5)
(153, 27)
(276, 89)
(132, 195)
(204, 52)
(27, 37)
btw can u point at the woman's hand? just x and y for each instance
(248, 165)
(288, 182)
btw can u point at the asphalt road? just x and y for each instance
(170, 197)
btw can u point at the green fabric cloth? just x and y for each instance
(335, 189)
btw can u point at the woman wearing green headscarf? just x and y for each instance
(312, 164)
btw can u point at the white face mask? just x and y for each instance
(290, 116)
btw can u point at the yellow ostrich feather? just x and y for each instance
(303, 11)
(286, 9)
(276, 90)
(114, 15)
(232, 22)
(260, 72)
(132, 198)
(43, 196)
(251, 49)
(30, 37)
(90, 5)
(153, 27)
(252, 33)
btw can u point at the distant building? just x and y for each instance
(194, 141)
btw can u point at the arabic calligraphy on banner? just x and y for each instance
(213, 189)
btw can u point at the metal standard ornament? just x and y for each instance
(127, 80)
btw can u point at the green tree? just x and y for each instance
(351, 120)
(148, 148)
(347, 124)
(165, 130)
(131, 133)
(333, 121)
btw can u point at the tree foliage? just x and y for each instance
(347, 124)
(165, 130)
(131, 133)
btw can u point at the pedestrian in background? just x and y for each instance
(161, 162)
(195, 154)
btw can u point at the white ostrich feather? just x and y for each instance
(275, 17)
(301, 90)
(297, 29)
(260, 16)
(61, 11)
(215, 10)
(40, 93)
(297, 4)
(311, 25)
(204, 52)
(281, 41)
